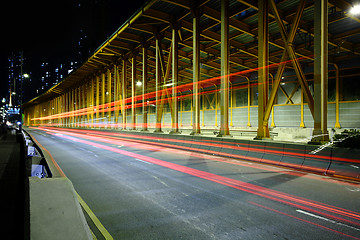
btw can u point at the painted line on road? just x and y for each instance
(143, 161)
(326, 219)
(95, 220)
(303, 220)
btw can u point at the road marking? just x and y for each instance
(315, 216)
(143, 161)
(95, 220)
(326, 219)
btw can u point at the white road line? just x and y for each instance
(315, 216)
(143, 161)
(326, 219)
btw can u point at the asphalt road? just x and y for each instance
(141, 191)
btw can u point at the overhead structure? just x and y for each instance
(179, 64)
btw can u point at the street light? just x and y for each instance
(25, 75)
(355, 10)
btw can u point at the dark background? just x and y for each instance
(50, 30)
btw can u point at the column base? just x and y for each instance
(175, 131)
(193, 133)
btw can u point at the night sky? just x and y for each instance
(49, 30)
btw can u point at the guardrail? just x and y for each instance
(55, 212)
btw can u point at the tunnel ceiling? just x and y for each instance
(156, 18)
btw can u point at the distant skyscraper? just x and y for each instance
(14, 77)
(46, 78)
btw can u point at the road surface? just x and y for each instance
(142, 191)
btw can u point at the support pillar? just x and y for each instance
(116, 95)
(133, 91)
(123, 93)
(263, 72)
(196, 73)
(97, 108)
(175, 78)
(158, 91)
(320, 133)
(225, 71)
(109, 94)
(144, 88)
(103, 99)
(337, 89)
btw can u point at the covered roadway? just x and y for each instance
(271, 72)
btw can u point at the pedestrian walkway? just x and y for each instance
(12, 186)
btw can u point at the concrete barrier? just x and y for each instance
(55, 212)
(293, 155)
(256, 150)
(317, 161)
(345, 162)
(327, 161)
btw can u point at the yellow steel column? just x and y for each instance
(116, 94)
(158, 88)
(77, 106)
(84, 105)
(61, 110)
(123, 92)
(144, 88)
(109, 94)
(225, 70)
(248, 101)
(302, 124)
(103, 95)
(133, 90)
(73, 105)
(175, 78)
(97, 108)
(272, 108)
(263, 72)
(337, 123)
(88, 103)
(92, 99)
(320, 133)
(196, 73)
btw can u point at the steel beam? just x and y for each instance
(320, 133)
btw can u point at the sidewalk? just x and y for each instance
(12, 187)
